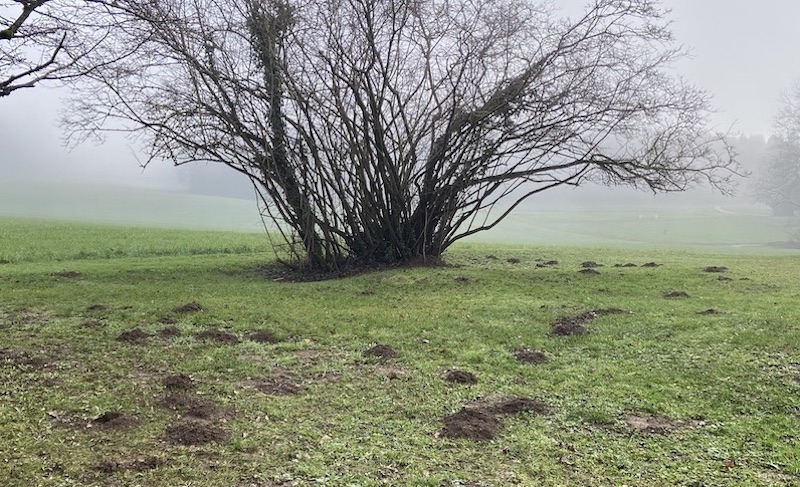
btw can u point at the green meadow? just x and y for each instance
(588, 348)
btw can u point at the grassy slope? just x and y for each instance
(360, 421)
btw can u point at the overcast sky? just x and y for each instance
(745, 52)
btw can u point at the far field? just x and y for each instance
(132, 356)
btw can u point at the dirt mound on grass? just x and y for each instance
(193, 405)
(676, 294)
(381, 351)
(20, 359)
(711, 311)
(657, 425)
(170, 332)
(651, 264)
(194, 432)
(528, 356)
(216, 335)
(573, 325)
(472, 424)
(714, 268)
(589, 271)
(114, 420)
(179, 382)
(190, 307)
(461, 377)
(67, 274)
(480, 420)
(627, 264)
(519, 405)
(262, 336)
(111, 466)
(135, 336)
(590, 264)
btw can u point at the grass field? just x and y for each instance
(147, 357)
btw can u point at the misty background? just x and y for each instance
(743, 52)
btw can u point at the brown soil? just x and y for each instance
(194, 432)
(216, 335)
(20, 359)
(110, 466)
(380, 351)
(676, 294)
(519, 405)
(651, 264)
(191, 307)
(472, 424)
(724, 278)
(170, 332)
(193, 405)
(574, 325)
(93, 324)
(548, 263)
(589, 271)
(262, 336)
(461, 377)
(114, 420)
(278, 386)
(589, 264)
(628, 264)
(135, 335)
(710, 311)
(714, 268)
(657, 425)
(96, 307)
(65, 274)
(513, 260)
(180, 382)
(528, 356)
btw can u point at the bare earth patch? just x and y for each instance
(676, 294)
(384, 352)
(589, 264)
(190, 307)
(114, 420)
(195, 432)
(193, 405)
(170, 332)
(135, 336)
(479, 420)
(461, 377)
(472, 424)
(20, 359)
(651, 264)
(714, 268)
(179, 382)
(262, 336)
(627, 264)
(23, 317)
(111, 466)
(657, 425)
(528, 356)
(67, 274)
(573, 325)
(217, 335)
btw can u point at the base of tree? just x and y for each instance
(299, 271)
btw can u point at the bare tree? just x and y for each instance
(778, 183)
(385, 131)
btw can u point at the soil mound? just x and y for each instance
(513, 260)
(528, 356)
(589, 271)
(136, 336)
(714, 268)
(114, 420)
(461, 377)
(180, 382)
(170, 332)
(676, 294)
(628, 264)
(217, 335)
(191, 307)
(20, 359)
(710, 311)
(110, 466)
(651, 264)
(590, 264)
(194, 432)
(472, 424)
(192, 405)
(262, 336)
(381, 351)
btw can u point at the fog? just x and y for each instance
(743, 52)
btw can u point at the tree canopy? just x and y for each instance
(385, 131)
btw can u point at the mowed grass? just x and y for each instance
(663, 392)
